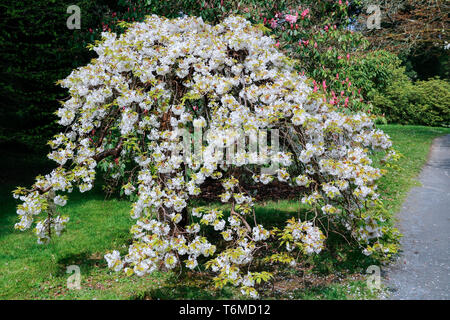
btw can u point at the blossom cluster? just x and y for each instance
(162, 78)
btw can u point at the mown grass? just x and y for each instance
(32, 271)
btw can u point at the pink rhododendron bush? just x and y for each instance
(172, 103)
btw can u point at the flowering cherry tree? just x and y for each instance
(150, 90)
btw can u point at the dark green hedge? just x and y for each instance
(37, 50)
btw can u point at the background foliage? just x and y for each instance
(348, 63)
(423, 102)
(37, 50)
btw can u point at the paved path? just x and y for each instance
(423, 269)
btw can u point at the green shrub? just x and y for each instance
(375, 71)
(433, 100)
(423, 102)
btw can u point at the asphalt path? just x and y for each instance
(423, 268)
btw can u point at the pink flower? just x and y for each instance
(324, 85)
(346, 102)
(340, 2)
(348, 56)
(290, 18)
(337, 76)
(339, 57)
(326, 28)
(277, 44)
(305, 13)
(273, 23)
(315, 44)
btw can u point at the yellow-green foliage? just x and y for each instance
(423, 102)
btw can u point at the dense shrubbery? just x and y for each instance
(39, 49)
(131, 111)
(318, 34)
(423, 102)
(375, 71)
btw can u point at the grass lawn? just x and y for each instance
(32, 271)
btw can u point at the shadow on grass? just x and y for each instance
(339, 257)
(87, 261)
(187, 287)
(177, 292)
